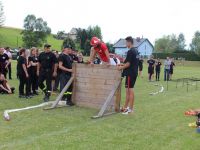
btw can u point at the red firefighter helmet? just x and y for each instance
(95, 41)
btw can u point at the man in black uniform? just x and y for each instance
(4, 62)
(140, 65)
(158, 66)
(130, 68)
(151, 63)
(47, 66)
(65, 66)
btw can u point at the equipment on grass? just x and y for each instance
(160, 91)
(6, 112)
(94, 86)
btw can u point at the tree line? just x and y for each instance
(173, 43)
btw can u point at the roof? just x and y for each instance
(122, 43)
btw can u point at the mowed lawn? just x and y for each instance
(157, 124)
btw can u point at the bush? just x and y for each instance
(187, 55)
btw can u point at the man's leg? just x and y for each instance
(21, 86)
(165, 75)
(9, 70)
(127, 98)
(131, 99)
(40, 82)
(48, 84)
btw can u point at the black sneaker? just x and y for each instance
(46, 98)
(22, 96)
(70, 103)
(35, 93)
(28, 97)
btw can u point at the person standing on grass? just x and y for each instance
(158, 68)
(151, 63)
(171, 69)
(7, 51)
(130, 71)
(23, 75)
(141, 61)
(65, 66)
(47, 67)
(167, 64)
(99, 48)
(32, 70)
(4, 62)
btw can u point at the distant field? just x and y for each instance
(12, 37)
(159, 122)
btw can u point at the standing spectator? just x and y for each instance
(4, 62)
(23, 75)
(32, 70)
(140, 66)
(7, 51)
(151, 63)
(47, 67)
(171, 69)
(158, 68)
(167, 64)
(130, 68)
(65, 66)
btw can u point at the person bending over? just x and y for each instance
(4, 86)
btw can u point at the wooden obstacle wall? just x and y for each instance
(94, 83)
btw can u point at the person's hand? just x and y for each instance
(87, 62)
(70, 70)
(119, 68)
(9, 92)
(27, 76)
(54, 73)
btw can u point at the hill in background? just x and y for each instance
(12, 37)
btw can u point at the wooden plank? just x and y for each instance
(91, 96)
(86, 66)
(118, 99)
(97, 76)
(62, 92)
(94, 86)
(90, 80)
(109, 99)
(74, 83)
(92, 100)
(86, 90)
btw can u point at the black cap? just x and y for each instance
(67, 46)
(47, 45)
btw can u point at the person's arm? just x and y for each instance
(25, 70)
(55, 69)
(8, 87)
(8, 62)
(107, 55)
(64, 68)
(2, 87)
(127, 62)
(92, 55)
(38, 68)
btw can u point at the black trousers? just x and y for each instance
(157, 75)
(9, 71)
(23, 83)
(45, 75)
(64, 78)
(33, 82)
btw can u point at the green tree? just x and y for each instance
(69, 42)
(81, 37)
(60, 35)
(35, 31)
(94, 31)
(181, 42)
(110, 47)
(2, 17)
(195, 44)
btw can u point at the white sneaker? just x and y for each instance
(127, 111)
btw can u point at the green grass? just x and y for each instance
(12, 37)
(158, 123)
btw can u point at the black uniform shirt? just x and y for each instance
(151, 63)
(34, 59)
(67, 63)
(21, 60)
(158, 64)
(133, 58)
(47, 61)
(3, 61)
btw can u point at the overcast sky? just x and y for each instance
(117, 18)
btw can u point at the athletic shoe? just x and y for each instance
(28, 97)
(70, 103)
(128, 111)
(22, 96)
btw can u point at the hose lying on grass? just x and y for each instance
(6, 112)
(160, 91)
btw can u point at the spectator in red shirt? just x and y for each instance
(100, 48)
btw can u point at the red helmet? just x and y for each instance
(95, 41)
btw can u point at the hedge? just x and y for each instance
(190, 56)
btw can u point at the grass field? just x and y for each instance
(12, 37)
(157, 124)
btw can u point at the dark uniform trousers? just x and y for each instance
(45, 75)
(64, 78)
(23, 81)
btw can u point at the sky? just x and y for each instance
(117, 18)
